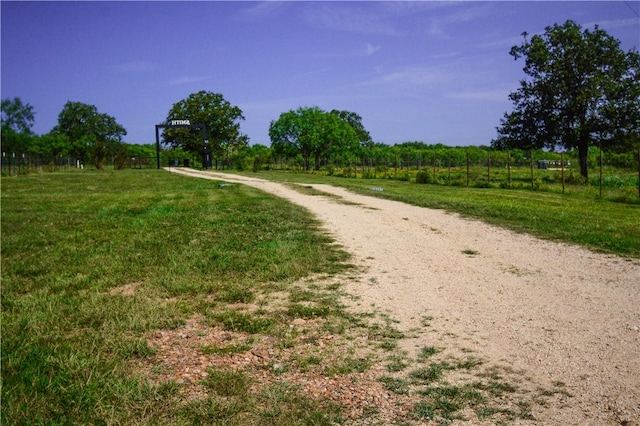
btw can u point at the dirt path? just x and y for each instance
(558, 312)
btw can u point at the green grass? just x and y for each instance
(445, 402)
(426, 352)
(70, 342)
(348, 365)
(396, 385)
(578, 217)
(228, 383)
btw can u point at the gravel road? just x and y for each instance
(557, 312)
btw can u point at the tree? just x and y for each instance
(311, 132)
(50, 145)
(17, 116)
(218, 115)
(89, 131)
(582, 90)
(355, 121)
(17, 120)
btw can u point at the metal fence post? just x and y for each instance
(601, 176)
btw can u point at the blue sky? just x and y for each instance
(436, 72)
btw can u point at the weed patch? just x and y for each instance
(249, 323)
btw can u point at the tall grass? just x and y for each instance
(69, 239)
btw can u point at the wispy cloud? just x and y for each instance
(480, 95)
(410, 76)
(503, 43)
(262, 10)
(134, 67)
(350, 17)
(619, 23)
(440, 26)
(371, 49)
(186, 80)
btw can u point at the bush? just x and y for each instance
(404, 177)
(423, 176)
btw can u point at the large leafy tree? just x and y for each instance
(221, 119)
(311, 133)
(89, 131)
(581, 90)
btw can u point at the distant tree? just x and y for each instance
(17, 116)
(311, 133)
(89, 131)
(222, 121)
(355, 121)
(582, 90)
(17, 120)
(260, 154)
(50, 145)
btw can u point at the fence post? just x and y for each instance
(449, 165)
(467, 169)
(638, 173)
(601, 181)
(562, 165)
(434, 166)
(395, 165)
(488, 168)
(509, 167)
(532, 181)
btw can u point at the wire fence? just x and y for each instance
(611, 175)
(614, 176)
(19, 163)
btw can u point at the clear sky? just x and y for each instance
(436, 72)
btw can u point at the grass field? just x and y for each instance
(69, 342)
(73, 340)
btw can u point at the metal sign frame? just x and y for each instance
(206, 154)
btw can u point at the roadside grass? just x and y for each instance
(578, 217)
(464, 389)
(92, 262)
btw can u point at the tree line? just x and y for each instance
(580, 91)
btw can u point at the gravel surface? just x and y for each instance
(556, 312)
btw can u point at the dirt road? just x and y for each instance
(557, 312)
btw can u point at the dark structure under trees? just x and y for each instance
(206, 151)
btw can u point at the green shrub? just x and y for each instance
(423, 176)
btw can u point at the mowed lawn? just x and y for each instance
(70, 343)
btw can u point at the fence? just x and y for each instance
(17, 164)
(611, 175)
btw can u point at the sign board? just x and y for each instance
(206, 153)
